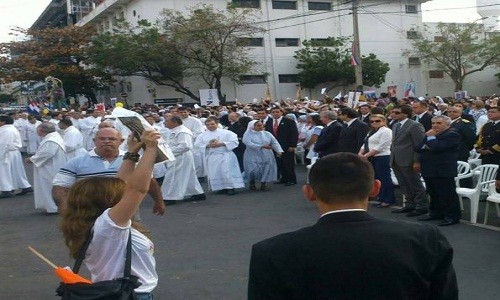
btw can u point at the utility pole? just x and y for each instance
(358, 68)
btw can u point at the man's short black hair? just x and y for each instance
(66, 122)
(6, 119)
(349, 112)
(342, 177)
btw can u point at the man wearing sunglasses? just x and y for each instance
(407, 134)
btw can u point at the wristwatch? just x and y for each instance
(132, 156)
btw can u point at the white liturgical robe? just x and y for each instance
(12, 172)
(48, 159)
(221, 163)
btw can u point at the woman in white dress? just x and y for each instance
(316, 125)
(258, 161)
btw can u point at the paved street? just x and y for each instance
(202, 249)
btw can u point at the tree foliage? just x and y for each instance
(202, 44)
(463, 49)
(56, 52)
(329, 61)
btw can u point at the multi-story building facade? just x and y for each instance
(386, 29)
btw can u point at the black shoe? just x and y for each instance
(199, 197)
(279, 182)
(171, 202)
(264, 187)
(6, 194)
(290, 183)
(383, 205)
(430, 218)
(448, 222)
(375, 204)
(231, 192)
(416, 213)
(403, 210)
(25, 191)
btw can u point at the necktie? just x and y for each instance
(397, 128)
(417, 118)
(275, 127)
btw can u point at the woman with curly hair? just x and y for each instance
(106, 205)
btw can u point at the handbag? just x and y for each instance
(116, 289)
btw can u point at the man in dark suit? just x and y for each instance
(286, 132)
(438, 155)
(404, 161)
(465, 129)
(328, 140)
(488, 142)
(349, 254)
(421, 113)
(354, 132)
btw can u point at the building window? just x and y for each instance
(253, 79)
(436, 74)
(284, 4)
(438, 39)
(411, 34)
(411, 9)
(287, 42)
(288, 78)
(319, 5)
(246, 3)
(414, 61)
(250, 42)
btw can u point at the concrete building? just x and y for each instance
(386, 29)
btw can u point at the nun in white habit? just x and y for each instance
(258, 161)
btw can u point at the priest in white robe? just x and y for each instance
(89, 127)
(258, 160)
(180, 181)
(12, 172)
(196, 127)
(33, 140)
(221, 163)
(72, 137)
(48, 159)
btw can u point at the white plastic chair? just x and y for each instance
(493, 196)
(308, 167)
(486, 175)
(474, 160)
(463, 169)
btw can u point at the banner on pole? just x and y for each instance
(209, 97)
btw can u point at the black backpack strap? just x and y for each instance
(128, 257)
(83, 250)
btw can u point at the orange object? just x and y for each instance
(67, 276)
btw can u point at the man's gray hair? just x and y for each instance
(330, 114)
(446, 119)
(47, 127)
(176, 119)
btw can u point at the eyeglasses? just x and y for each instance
(112, 139)
(375, 121)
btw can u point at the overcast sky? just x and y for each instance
(23, 13)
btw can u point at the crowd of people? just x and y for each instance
(242, 145)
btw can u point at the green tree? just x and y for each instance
(462, 49)
(329, 61)
(56, 52)
(498, 78)
(201, 44)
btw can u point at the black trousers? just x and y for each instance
(444, 199)
(286, 167)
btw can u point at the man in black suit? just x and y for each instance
(488, 142)
(286, 132)
(421, 113)
(438, 155)
(465, 129)
(349, 254)
(354, 132)
(328, 140)
(364, 113)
